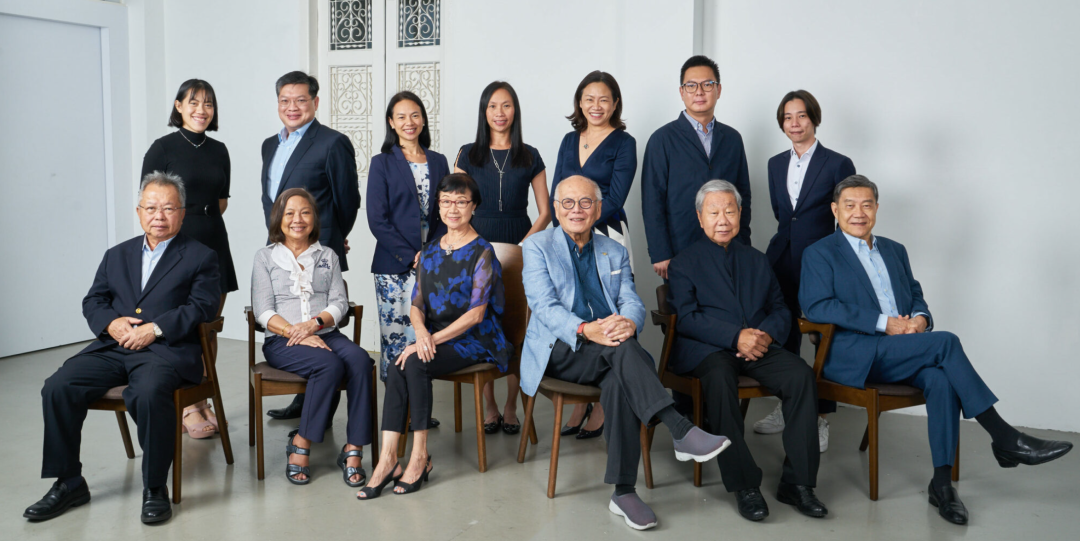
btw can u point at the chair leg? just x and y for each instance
(457, 407)
(258, 415)
(553, 470)
(251, 416)
(481, 439)
(223, 423)
(744, 406)
(527, 429)
(531, 426)
(873, 415)
(178, 449)
(125, 434)
(956, 462)
(646, 457)
(374, 416)
(699, 418)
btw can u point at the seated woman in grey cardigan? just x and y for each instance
(298, 294)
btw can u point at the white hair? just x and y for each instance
(164, 179)
(595, 186)
(715, 186)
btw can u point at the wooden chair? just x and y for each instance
(265, 380)
(564, 393)
(514, 321)
(877, 398)
(182, 397)
(664, 316)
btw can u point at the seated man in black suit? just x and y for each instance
(148, 297)
(730, 314)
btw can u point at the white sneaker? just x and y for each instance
(823, 434)
(773, 423)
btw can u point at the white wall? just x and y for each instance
(960, 112)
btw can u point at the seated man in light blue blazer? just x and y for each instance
(863, 284)
(585, 316)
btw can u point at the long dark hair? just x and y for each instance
(577, 119)
(519, 156)
(391, 135)
(194, 86)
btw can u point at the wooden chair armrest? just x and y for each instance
(826, 331)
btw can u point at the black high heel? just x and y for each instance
(413, 487)
(571, 430)
(371, 493)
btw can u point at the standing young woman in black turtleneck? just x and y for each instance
(203, 164)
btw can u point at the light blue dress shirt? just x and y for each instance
(879, 278)
(150, 258)
(705, 138)
(286, 145)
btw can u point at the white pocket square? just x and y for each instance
(617, 271)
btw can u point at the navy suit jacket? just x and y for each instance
(835, 289)
(713, 309)
(183, 291)
(674, 168)
(393, 209)
(812, 218)
(323, 163)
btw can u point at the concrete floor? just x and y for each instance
(509, 500)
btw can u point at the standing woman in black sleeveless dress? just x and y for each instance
(505, 169)
(203, 164)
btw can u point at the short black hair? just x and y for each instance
(813, 110)
(277, 214)
(391, 135)
(696, 61)
(192, 88)
(854, 181)
(460, 183)
(298, 78)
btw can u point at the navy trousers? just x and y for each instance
(935, 362)
(325, 371)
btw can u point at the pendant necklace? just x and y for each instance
(181, 132)
(501, 170)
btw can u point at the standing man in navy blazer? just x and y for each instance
(682, 156)
(801, 181)
(148, 297)
(306, 154)
(863, 284)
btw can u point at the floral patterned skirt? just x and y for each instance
(393, 292)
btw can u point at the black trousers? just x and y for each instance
(85, 378)
(410, 389)
(783, 374)
(631, 394)
(789, 287)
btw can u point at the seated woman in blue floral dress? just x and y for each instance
(457, 307)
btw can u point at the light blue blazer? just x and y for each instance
(550, 285)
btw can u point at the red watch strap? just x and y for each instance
(316, 320)
(581, 328)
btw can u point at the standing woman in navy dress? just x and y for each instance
(505, 168)
(600, 149)
(203, 164)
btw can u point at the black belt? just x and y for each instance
(204, 210)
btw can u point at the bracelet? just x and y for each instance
(285, 329)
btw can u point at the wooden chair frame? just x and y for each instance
(182, 397)
(876, 398)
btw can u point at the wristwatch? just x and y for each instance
(581, 334)
(319, 321)
(157, 331)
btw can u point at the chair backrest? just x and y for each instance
(207, 332)
(665, 318)
(515, 313)
(662, 303)
(826, 331)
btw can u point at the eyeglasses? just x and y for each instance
(461, 203)
(300, 102)
(169, 211)
(585, 203)
(707, 86)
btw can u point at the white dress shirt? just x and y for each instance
(796, 171)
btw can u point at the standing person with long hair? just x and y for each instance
(402, 215)
(599, 149)
(203, 164)
(504, 168)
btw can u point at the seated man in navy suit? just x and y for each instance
(148, 298)
(731, 318)
(583, 329)
(863, 284)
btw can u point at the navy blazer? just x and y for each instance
(323, 163)
(812, 218)
(183, 291)
(673, 170)
(835, 289)
(712, 309)
(393, 209)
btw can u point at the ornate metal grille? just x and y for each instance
(350, 24)
(351, 110)
(418, 23)
(424, 79)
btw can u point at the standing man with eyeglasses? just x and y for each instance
(306, 154)
(681, 157)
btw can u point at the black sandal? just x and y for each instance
(349, 471)
(371, 493)
(494, 426)
(292, 470)
(413, 487)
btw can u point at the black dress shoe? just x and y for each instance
(752, 505)
(803, 498)
(292, 411)
(433, 423)
(1030, 451)
(155, 505)
(57, 500)
(948, 504)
